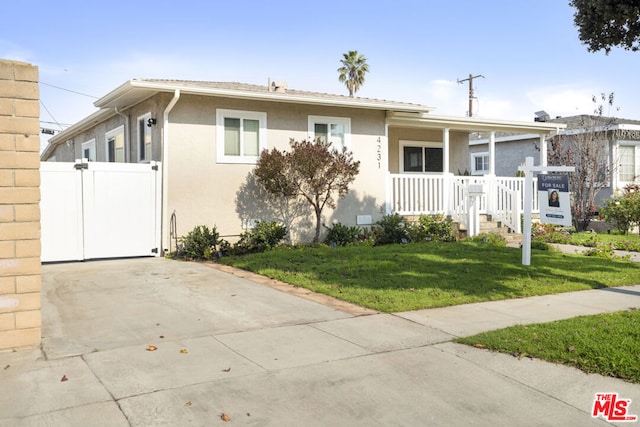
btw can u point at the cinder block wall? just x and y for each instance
(20, 267)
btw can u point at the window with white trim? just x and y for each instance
(479, 163)
(89, 150)
(115, 145)
(334, 130)
(421, 156)
(240, 135)
(144, 138)
(628, 163)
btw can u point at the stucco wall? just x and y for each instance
(203, 191)
(458, 146)
(20, 320)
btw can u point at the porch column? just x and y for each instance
(445, 151)
(543, 151)
(445, 172)
(492, 153)
(491, 190)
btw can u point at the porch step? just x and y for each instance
(489, 225)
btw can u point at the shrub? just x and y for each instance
(200, 243)
(432, 227)
(265, 235)
(390, 229)
(623, 210)
(343, 235)
(549, 233)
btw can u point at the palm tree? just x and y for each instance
(354, 66)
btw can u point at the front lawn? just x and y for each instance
(606, 344)
(623, 242)
(397, 278)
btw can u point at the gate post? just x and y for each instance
(20, 269)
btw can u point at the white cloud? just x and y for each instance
(562, 100)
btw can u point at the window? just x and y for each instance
(420, 156)
(115, 145)
(479, 163)
(89, 150)
(628, 164)
(334, 130)
(240, 135)
(144, 138)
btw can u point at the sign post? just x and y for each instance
(528, 170)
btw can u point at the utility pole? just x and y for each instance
(470, 80)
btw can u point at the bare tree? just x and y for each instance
(586, 146)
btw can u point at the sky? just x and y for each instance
(528, 53)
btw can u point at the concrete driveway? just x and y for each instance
(228, 345)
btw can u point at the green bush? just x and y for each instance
(265, 235)
(549, 233)
(200, 243)
(623, 210)
(390, 229)
(343, 235)
(436, 227)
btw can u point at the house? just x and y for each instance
(622, 137)
(208, 137)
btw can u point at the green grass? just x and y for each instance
(606, 344)
(424, 275)
(624, 242)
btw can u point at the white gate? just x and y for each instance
(99, 210)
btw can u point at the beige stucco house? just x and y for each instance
(208, 137)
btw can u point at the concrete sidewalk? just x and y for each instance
(228, 345)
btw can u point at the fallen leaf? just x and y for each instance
(64, 378)
(479, 345)
(188, 403)
(225, 417)
(233, 295)
(184, 351)
(7, 367)
(151, 348)
(161, 336)
(571, 348)
(227, 370)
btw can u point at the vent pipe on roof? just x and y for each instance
(269, 84)
(280, 87)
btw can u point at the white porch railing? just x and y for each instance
(448, 194)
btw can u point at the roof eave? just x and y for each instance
(81, 126)
(472, 123)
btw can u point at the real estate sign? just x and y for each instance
(554, 200)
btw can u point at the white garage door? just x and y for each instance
(99, 210)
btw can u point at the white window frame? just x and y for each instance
(143, 120)
(636, 152)
(114, 133)
(422, 144)
(221, 114)
(473, 169)
(91, 146)
(328, 120)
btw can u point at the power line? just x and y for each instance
(68, 90)
(53, 118)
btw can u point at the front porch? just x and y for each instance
(425, 150)
(463, 198)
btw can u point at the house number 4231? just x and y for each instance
(379, 153)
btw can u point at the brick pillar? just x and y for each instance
(19, 206)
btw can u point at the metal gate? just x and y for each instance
(99, 210)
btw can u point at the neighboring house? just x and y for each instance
(208, 137)
(622, 136)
